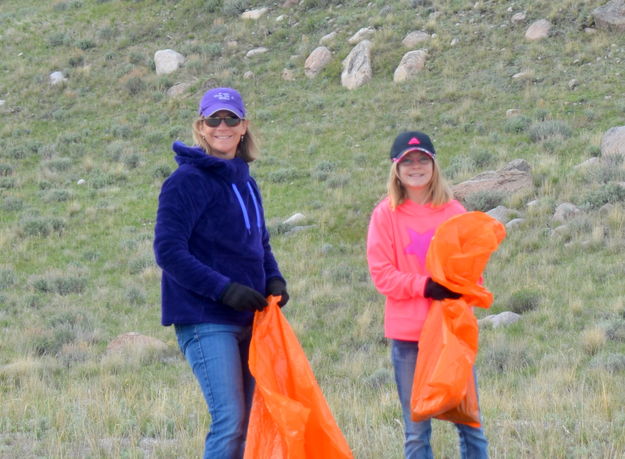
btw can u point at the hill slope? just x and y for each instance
(81, 164)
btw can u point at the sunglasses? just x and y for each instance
(216, 121)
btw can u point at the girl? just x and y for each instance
(400, 230)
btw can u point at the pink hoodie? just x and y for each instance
(396, 247)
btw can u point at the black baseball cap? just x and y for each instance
(411, 141)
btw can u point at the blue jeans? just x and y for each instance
(218, 354)
(473, 443)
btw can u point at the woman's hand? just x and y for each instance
(437, 291)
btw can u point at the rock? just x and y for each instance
(289, 3)
(502, 213)
(167, 61)
(178, 89)
(281, 18)
(80, 182)
(363, 34)
(295, 219)
(527, 75)
(2, 102)
(317, 61)
(254, 14)
(565, 211)
(572, 84)
(411, 63)
(248, 75)
(518, 17)
(357, 66)
(326, 39)
(588, 163)
(57, 78)
(511, 178)
(610, 16)
(613, 142)
(512, 112)
(514, 222)
(500, 320)
(256, 51)
(538, 30)
(414, 38)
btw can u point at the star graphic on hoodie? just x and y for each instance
(419, 244)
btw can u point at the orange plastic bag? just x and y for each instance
(290, 418)
(443, 385)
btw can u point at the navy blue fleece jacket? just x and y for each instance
(210, 231)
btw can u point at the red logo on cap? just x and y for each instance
(414, 141)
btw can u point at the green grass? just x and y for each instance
(77, 268)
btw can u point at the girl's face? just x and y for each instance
(223, 139)
(415, 170)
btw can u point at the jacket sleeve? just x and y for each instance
(269, 263)
(182, 201)
(382, 259)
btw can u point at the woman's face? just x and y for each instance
(223, 139)
(415, 170)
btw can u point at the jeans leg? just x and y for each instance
(473, 443)
(217, 353)
(417, 434)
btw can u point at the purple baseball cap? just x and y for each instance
(217, 99)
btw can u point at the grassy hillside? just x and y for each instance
(77, 268)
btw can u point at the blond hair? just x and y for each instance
(438, 191)
(246, 150)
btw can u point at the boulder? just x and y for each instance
(565, 211)
(414, 38)
(256, 51)
(363, 34)
(538, 30)
(411, 63)
(178, 89)
(254, 14)
(167, 61)
(501, 319)
(513, 177)
(57, 78)
(357, 66)
(613, 142)
(317, 61)
(326, 39)
(610, 16)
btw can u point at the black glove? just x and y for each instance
(437, 291)
(277, 287)
(243, 298)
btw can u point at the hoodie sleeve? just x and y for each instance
(382, 259)
(270, 264)
(182, 201)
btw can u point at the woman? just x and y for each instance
(213, 247)
(400, 231)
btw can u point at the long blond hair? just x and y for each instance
(246, 150)
(438, 191)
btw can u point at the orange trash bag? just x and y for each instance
(444, 385)
(290, 418)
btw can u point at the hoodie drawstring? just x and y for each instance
(246, 217)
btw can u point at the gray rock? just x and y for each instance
(363, 34)
(500, 320)
(511, 178)
(613, 142)
(357, 66)
(414, 38)
(178, 89)
(514, 223)
(317, 61)
(410, 65)
(565, 211)
(610, 16)
(327, 39)
(255, 13)
(256, 51)
(295, 219)
(538, 30)
(502, 213)
(57, 78)
(167, 61)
